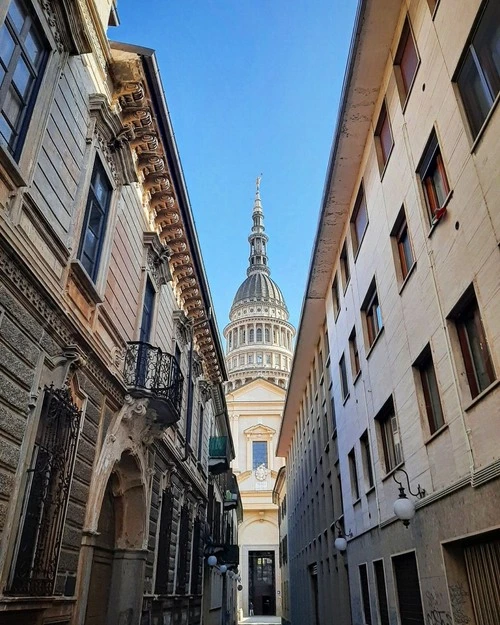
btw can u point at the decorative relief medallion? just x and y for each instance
(261, 472)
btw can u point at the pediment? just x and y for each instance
(259, 430)
(258, 390)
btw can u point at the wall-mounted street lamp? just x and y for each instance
(341, 540)
(404, 508)
(212, 561)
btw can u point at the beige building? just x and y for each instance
(400, 328)
(111, 368)
(259, 342)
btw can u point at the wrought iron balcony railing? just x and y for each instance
(218, 454)
(150, 372)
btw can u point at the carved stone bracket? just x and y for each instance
(205, 390)
(182, 327)
(157, 256)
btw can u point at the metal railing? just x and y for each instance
(150, 372)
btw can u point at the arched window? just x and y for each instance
(259, 335)
(266, 335)
(251, 337)
(242, 337)
(230, 341)
(259, 359)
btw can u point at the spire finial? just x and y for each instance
(257, 183)
(258, 238)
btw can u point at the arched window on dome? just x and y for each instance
(275, 337)
(259, 335)
(230, 341)
(251, 336)
(250, 359)
(266, 335)
(268, 359)
(243, 337)
(259, 359)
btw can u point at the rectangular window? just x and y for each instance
(383, 138)
(345, 270)
(478, 78)
(400, 234)
(434, 180)
(365, 594)
(182, 585)
(473, 344)
(164, 540)
(389, 434)
(23, 54)
(259, 453)
(47, 493)
(367, 460)
(336, 297)
(353, 348)
(353, 472)
(147, 312)
(201, 425)
(343, 378)
(408, 589)
(94, 225)
(406, 62)
(372, 314)
(383, 608)
(359, 221)
(430, 390)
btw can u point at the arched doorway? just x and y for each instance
(116, 578)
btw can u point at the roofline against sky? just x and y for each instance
(371, 26)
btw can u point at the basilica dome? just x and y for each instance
(259, 287)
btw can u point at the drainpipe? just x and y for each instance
(189, 416)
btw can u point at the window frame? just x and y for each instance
(369, 308)
(366, 456)
(469, 52)
(432, 402)
(266, 447)
(432, 162)
(404, 87)
(336, 297)
(354, 477)
(356, 237)
(403, 270)
(344, 383)
(354, 354)
(345, 269)
(390, 456)
(382, 157)
(365, 599)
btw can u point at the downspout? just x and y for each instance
(189, 415)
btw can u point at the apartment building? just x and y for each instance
(111, 368)
(400, 317)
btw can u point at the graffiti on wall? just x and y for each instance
(435, 615)
(458, 596)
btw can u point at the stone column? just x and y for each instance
(125, 597)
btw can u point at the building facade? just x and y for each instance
(401, 307)
(279, 498)
(111, 369)
(259, 342)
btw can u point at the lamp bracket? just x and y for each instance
(420, 491)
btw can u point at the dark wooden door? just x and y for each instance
(262, 587)
(408, 589)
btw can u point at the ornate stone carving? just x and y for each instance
(182, 328)
(51, 17)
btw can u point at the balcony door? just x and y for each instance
(147, 312)
(262, 587)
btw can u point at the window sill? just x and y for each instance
(392, 471)
(481, 395)
(486, 122)
(437, 220)
(344, 401)
(375, 341)
(370, 490)
(436, 433)
(356, 502)
(407, 277)
(356, 377)
(85, 281)
(11, 168)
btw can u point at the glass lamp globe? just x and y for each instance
(211, 560)
(404, 510)
(340, 543)
(222, 568)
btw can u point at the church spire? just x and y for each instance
(258, 239)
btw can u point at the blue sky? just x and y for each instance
(252, 86)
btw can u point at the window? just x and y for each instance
(242, 360)
(182, 585)
(406, 62)
(251, 335)
(259, 454)
(365, 593)
(242, 337)
(353, 472)
(373, 314)
(267, 335)
(383, 608)
(353, 348)
(434, 180)
(268, 359)
(164, 540)
(359, 221)
(345, 270)
(473, 344)
(430, 390)
(230, 341)
(47, 492)
(94, 226)
(389, 433)
(250, 359)
(405, 258)
(201, 425)
(147, 312)
(235, 363)
(408, 589)
(259, 335)
(383, 138)
(367, 460)
(259, 359)
(23, 53)
(343, 378)
(335, 297)
(478, 77)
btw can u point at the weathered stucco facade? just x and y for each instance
(401, 309)
(111, 369)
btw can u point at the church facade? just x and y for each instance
(259, 344)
